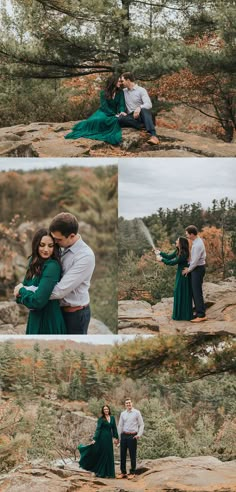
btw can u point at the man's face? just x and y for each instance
(128, 405)
(189, 236)
(124, 82)
(63, 241)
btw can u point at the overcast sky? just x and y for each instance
(93, 339)
(145, 184)
(30, 163)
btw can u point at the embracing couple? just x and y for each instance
(122, 104)
(189, 276)
(56, 285)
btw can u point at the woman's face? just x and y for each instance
(46, 247)
(177, 242)
(118, 84)
(106, 410)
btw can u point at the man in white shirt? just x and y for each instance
(78, 262)
(130, 429)
(138, 104)
(197, 270)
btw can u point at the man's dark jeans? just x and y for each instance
(145, 118)
(197, 276)
(128, 442)
(77, 322)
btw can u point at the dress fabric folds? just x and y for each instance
(182, 308)
(103, 124)
(99, 457)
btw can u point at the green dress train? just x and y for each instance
(45, 317)
(182, 309)
(103, 124)
(99, 457)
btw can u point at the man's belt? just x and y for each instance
(72, 309)
(130, 433)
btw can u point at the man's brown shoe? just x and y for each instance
(122, 475)
(154, 140)
(198, 320)
(131, 476)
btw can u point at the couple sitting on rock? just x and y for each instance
(130, 107)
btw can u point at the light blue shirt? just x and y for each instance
(78, 263)
(136, 97)
(198, 254)
(131, 421)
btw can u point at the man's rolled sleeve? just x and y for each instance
(140, 425)
(146, 101)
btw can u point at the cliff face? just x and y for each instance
(172, 474)
(47, 140)
(141, 317)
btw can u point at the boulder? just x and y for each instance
(135, 316)
(11, 148)
(141, 317)
(9, 314)
(13, 319)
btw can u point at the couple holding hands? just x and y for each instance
(98, 457)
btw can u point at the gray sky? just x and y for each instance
(146, 184)
(93, 339)
(27, 164)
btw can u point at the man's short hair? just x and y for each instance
(128, 76)
(127, 399)
(65, 223)
(192, 229)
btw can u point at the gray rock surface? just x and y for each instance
(172, 474)
(44, 139)
(141, 317)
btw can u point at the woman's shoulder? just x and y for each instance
(51, 264)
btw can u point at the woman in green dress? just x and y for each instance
(98, 457)
(43, 272)
(182, 309)
(103, 124)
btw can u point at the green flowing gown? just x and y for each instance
(45, 317)
(103, 124)
(99, 457)
(182, 309)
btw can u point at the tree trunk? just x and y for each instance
(125, 32)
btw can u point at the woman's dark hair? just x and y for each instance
(36, 263)
(103, 413)
(111, 86)
(183, 248)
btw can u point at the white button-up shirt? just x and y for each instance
(78, 262)
(198, 254)
(131, 421)
(136, 97)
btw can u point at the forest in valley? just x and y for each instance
(142, 277)
(55, 56)
(184, 386)
(29, 200)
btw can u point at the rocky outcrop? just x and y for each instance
(172, 474)
(13, 321)
(141, 317)
(47, 140)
